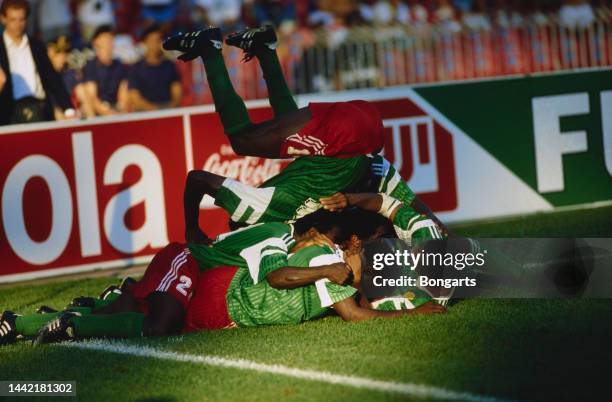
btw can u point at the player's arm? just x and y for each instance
(349, 310)
(367, 201)
(376, 202)
(295, 277)
(198, 183)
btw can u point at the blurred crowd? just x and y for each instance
(108, 52)
(78, 19)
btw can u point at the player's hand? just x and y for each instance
(336, 202)
(380, 169)
(313, 240)
(196, 236)
(428, 308)
(339, 273)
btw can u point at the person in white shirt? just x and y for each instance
(30, 82)
(576, 14)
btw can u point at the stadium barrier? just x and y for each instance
(365, 57)
(79, 196)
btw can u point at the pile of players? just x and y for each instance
(296, 251)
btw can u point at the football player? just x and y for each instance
(347, 130)
(341, 129)
(156, 304)
(248, 278)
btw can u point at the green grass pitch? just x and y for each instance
(506, 349)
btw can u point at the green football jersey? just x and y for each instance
(294, 192)
(258, 249)
(393, 184)
(413, 227)
(260, 304)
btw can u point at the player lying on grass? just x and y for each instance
(264, 287)
(163, 294)
(349, 130)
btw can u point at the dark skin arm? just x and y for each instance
(349, 310)
(199, 183)
(372, 202)
(295, 277)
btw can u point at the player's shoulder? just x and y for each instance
(277, 228)
(315, 255)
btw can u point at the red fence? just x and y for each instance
(366, 58)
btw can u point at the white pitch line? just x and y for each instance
(409, 389)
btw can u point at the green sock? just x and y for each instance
(279, 94)
(28, 325)
(228, 104)
(121, 325)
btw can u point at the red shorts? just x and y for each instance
(208, 308)
(173, 271)
(340, 129)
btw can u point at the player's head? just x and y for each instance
(366, 225)
(329, 224)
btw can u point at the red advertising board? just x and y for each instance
(79, 196)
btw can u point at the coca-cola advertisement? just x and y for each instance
(80, 197)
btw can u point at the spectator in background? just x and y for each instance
(463, 6)
(508, 14)
(224, 14)
(93, 14)
(29, 79)
(377, 12)
(274, 12)
(105, 78)
(153, 81)
(58, 50)
(576, 14)
(54, 18)
(445, 16)
(160, 12)
(477, 19)
(127, 16)
(418, 14)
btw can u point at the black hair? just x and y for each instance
(364, 224)
(326, 222)
(149, 30)
(343, 225)
(102, 29)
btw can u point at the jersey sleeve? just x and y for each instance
(271, 258)
(395, 186)
(413, 227)
(330, 293)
